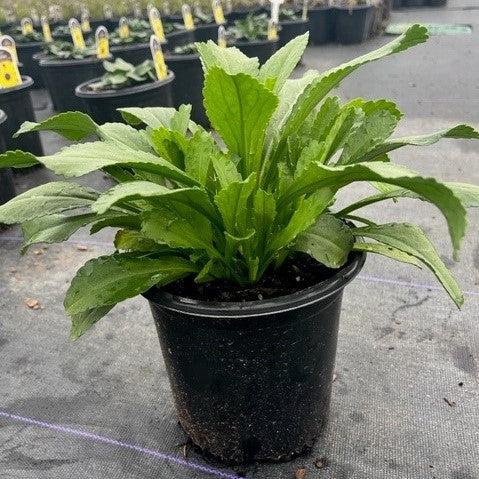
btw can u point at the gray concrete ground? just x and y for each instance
(403, 348)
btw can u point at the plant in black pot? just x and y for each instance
(354, 20)
(124, 85)
(322, 22)
(250, 35)
(291, 24)
(131, 40)
(205, 26)
(234, 237)
(65, 66)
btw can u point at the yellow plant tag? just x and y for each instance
(156, 24)
(8, 43)
(9, 74)
(123, 28)
(158, 58)
(187, 17)
(27, 26)
(102, 43)
(218, 12)
(85, 22)
(47, 33)
(272, 31)
(222, 37)
(77, 34)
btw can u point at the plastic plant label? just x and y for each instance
(222, 37)
(85, 22)
(123, 28)
(218, 12)
(9, 74)
(304, 14)
(35, 17)
(187, 17)
(8, 43)
(165, 7)
(158, 58)
(76, 33)
(272, 30)
(27, 26)
(156, 24)
(47, 33)
(275, 10)
(102, 43)
(107, 12)
(137, 13)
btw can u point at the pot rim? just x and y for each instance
(255, 43)
(181, 58)
(251, 309)
(29, 44)
(353, 7)
(27, 82)
(130, 46)
(293, 22)
(45, 62)
(3, 117)
(80, 92)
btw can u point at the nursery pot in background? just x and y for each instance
(203, 33)
(16, 102)
(240, 14)
(291, 29)
(252, 381)
(179, 39)
(437, 3)
(397, 4)
(353, 24)
(414, 3)
(7, 188)
(62, 77)
(102, 105)
(322, 24)
(133, 53)
(262, 49)
(31, 68)
(188, 86)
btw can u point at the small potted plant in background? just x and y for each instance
(131, 40)
(322, 22)
(250, 35)
(354, 19)
(234, 236)
(7, 187)
(205, 26)
(124, 85)
(241, 10)
(291, 24)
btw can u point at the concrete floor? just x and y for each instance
(403, 349)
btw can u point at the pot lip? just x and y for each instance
(45, 62)
(27, 82)
(133, 90)
(30, 44)
(321, 9)
(3, 117)
(354, 7)
(293, 22)
(181, 58)
(129, 46)
(252, 309)
(254, 43)
(178, 33)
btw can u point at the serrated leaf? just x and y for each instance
(328, 241)
(199, 154)
(411, 239)
(325, 118)
(132, 240)
(124, 136)
(82, 322)
(226, 171)
(154, 117)
(72, 125)
(18, 159)
(387, 251)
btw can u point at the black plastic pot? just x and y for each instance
(397, 4)
(252, 381)
(437, 3)
(26, 52)
(62, 77)
(188, 87)
(102, 105)
(322, 25)
(291, 29)
(179, 38)
(262, 49)
(203, 33)
(414, 3)
(16, 102)
(135, 54)
(353, 24)
(243, 13)
(7, 187)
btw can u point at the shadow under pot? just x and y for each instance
(291, 29)
(61, 77)
(16, 102)
(237, 368)
(353, 24)
(134, 54)
(26, 55)
(322, 25)
(102, 105)
(263, 49)
(179, 39)
(188, 87)
(7, 187)
(203, 33)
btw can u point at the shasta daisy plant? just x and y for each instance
(236, 204)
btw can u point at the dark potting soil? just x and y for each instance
(297, 273)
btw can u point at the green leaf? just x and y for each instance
(124, 136)
(280, 65)
(328, 241)
(325, 118)
(108, 280)
(131, 240)
(72, 125)
(319, 176)
(388, 251)
(250, 104)
(264, 214)
(231, 60)
(226, 171)
(82, 322)
(199, 154)
(411, 239)
(154, 117)
(17, 159)
(47, 199)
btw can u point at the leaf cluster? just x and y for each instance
(251, 28)
(67, 51)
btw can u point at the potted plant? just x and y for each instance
(16, 105)
(177, 36)
(250, 35)
(136, 47)
(291, 25)
(27, 46)
(234, 237)
(205, 26)
(322, 22)
(188, 88)
(124, 85)
(63, 68)
(354, 19)
(7, 187)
